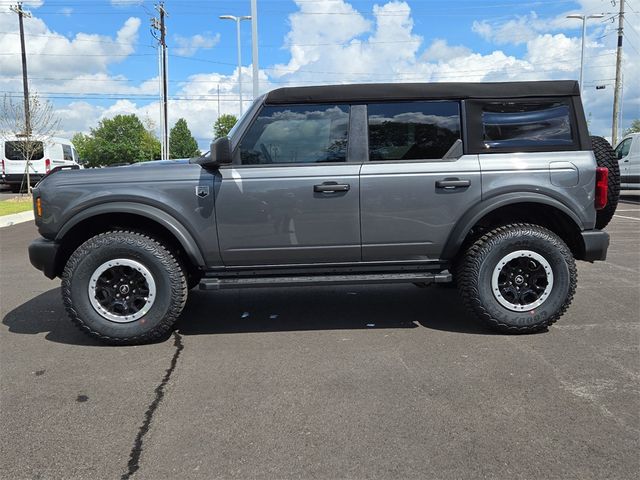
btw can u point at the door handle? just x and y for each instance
(331, 187)
(452, 183)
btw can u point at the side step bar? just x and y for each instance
(318, 280)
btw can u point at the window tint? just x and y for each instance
(622, 150)
(19, 150)
(297, 134)
(526, 124)
(66, 152)
(412, 131)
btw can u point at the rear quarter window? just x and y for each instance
(522, 125)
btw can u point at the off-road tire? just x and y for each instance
(606, 157)
(169, 278)
(476, 267)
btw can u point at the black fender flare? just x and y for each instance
(175, 227)
(478, 211)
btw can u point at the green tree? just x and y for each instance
(121, 139)
(181, 142)
(223, 125)
(634, 128)
(84, 146)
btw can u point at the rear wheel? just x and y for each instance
(518, 278)
(606, 157)
(124, 288)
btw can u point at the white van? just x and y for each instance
(46, 156)
(628, 153)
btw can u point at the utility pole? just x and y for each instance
(159, 25)
(25, 84)
(616, 91)
(254, 47)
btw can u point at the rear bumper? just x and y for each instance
(17, 178)
(596, 243)
(43, 255)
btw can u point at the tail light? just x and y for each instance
(3, 166)
(47, 165)
(602, 187)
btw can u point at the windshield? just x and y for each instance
(21, 149)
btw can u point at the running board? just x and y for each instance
(318, 280)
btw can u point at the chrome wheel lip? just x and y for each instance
(122, 262)
(504, 261)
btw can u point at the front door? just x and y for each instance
(417, 183)
(291, 196)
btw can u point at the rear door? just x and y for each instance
(15, 153)
(417, 182)
(292, 195)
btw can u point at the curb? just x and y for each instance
(15, 218)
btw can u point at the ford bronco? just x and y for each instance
(494, 187)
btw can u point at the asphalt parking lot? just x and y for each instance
(333, 382)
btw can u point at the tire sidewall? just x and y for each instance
(79, 282)
(561, 280)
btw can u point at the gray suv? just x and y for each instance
(496, 187)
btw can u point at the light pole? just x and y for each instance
(254, 47)
(238, 20)
(584, 19)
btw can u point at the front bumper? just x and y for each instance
(596, 243)
(43, 255)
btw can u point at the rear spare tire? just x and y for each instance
(606, 157)
(124, 288)
(519, 278)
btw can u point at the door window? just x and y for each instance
(297, 134)
(66, 152)
(622, 150)
(412, 131)
(22, 149)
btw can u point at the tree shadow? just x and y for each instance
(277, 310)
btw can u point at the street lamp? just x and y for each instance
(238, 20)
(584, 19)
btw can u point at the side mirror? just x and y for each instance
(220, 153)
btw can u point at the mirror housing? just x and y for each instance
(220, 153)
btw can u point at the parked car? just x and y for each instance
(45, 156)
(496, 187)
(628, 155)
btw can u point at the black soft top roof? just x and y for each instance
(367, 92)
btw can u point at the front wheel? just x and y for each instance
(124, 288)
(518, 278)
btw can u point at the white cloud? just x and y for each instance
(440, 50)
(126, 3)
(32, 3)
(188, 46)
(354, 46)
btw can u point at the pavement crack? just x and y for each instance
(136, 451)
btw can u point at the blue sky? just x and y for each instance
(95, 59)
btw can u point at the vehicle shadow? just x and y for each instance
(277, 310)
(630, 196)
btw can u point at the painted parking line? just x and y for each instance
(628, 218)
